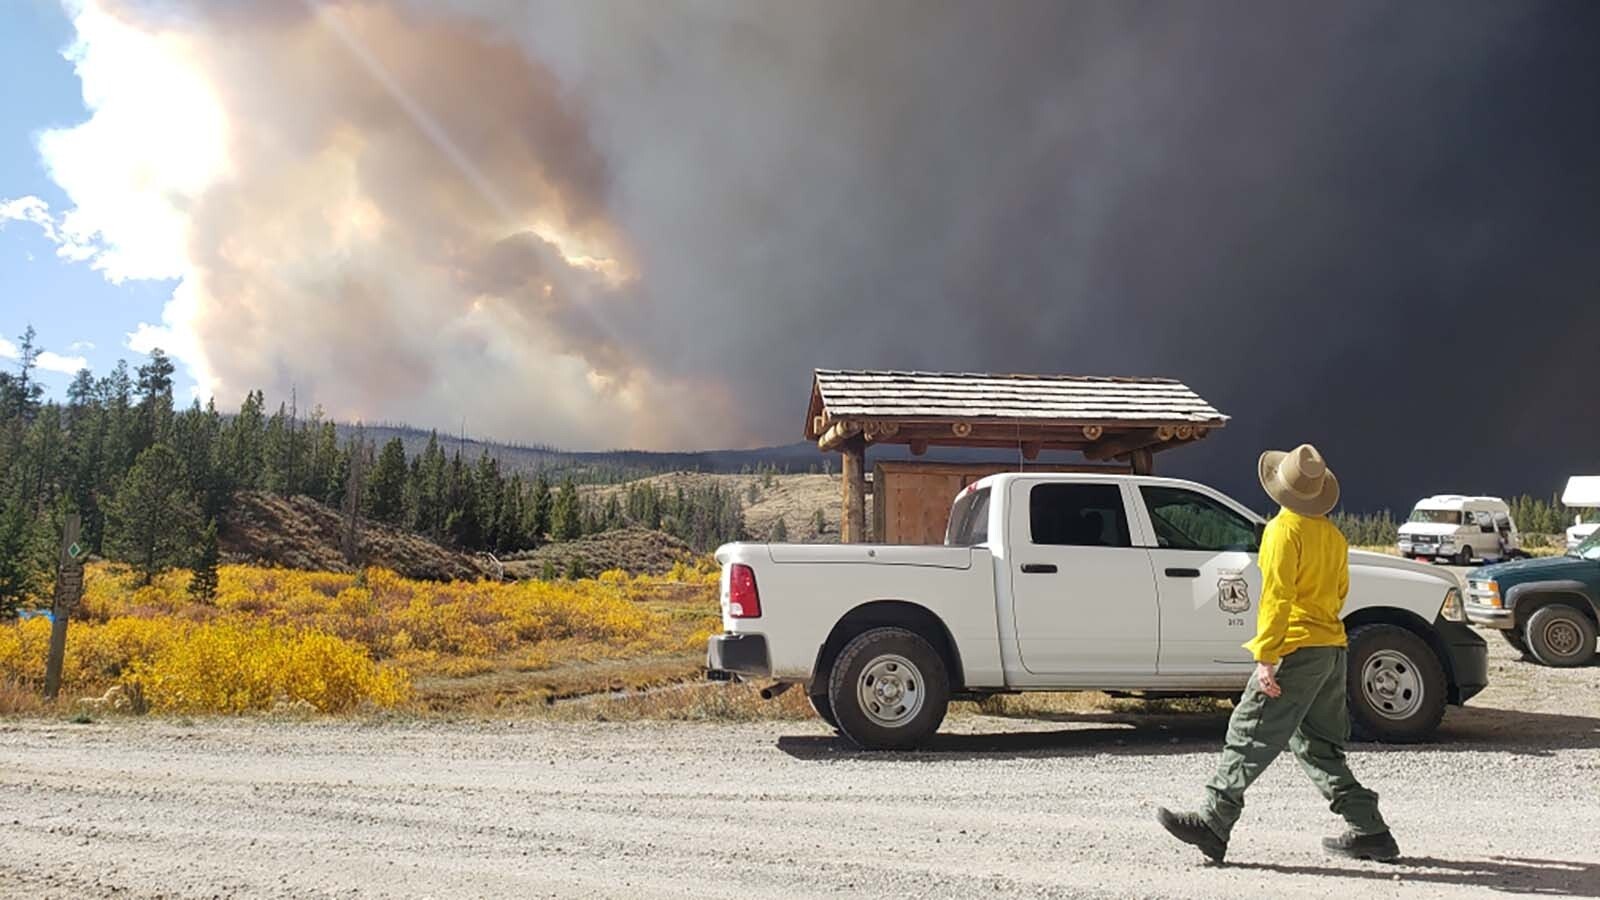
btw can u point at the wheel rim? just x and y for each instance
(1391, 684)
(890, 690)
(1562, 637)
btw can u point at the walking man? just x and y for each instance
(1296, 697)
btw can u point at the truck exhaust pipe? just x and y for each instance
(773, 690)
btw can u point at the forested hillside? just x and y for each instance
(153, 483)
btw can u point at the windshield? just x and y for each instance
(1589, 549)
(969, 520)
(1436, 516)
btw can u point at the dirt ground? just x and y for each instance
(1504, 802)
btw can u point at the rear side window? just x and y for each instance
(1077, 515)
(969, 520)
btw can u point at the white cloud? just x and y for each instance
(153, 142)
(77, 346)
(51, 361)
(47, 360)
(30, 209)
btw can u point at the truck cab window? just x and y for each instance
(1078, 515)
(1185, 520)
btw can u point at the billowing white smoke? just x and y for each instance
(401, 216)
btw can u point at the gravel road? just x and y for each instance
(1506, 802)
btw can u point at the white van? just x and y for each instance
(1460, 529)
(1583, 491)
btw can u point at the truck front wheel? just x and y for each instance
(888, 689)
(1395, 686)
(1561, 636)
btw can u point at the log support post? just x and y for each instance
(853, 525)
(1143, 461)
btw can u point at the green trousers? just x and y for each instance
(1310, 718)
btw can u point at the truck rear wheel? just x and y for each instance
(824, 710)
(1560, 636)
(1395, 686)
(888, 689)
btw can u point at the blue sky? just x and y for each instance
(71, 305)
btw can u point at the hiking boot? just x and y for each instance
(1380, 847)
(1191, 829)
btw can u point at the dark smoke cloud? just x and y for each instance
(1368, 225)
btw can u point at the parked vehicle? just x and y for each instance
(1547, 608)
(1458, 529)
(1052, 582)
(1583, 492)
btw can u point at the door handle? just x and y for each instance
(1183, 573)
(1038, 568)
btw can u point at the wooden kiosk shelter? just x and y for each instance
(1118, 424)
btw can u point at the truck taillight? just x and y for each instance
(744, 601)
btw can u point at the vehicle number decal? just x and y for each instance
(1233, 594)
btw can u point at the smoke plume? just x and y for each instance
(1370, 225)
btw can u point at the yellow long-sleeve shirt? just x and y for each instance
(1305, 575)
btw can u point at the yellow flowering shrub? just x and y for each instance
(338, 641)
(230, 667)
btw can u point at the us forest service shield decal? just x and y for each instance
(1233, 594)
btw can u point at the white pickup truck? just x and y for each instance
(1061, 582)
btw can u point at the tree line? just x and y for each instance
(152, 482)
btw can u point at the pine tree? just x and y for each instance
(462, 522)
(566, 521)
(203, 586)
(511, 529)
(779, 533)
(431, 489)
(575, 569)
(386, 488)
(539, 510)
(151, 522)
(243, 442)
(489, 488)
(21, 572)
(322, 481)
(154, 413)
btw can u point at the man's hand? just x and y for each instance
(1267, 679)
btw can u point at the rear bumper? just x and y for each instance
(737, 654)
(1468, 660)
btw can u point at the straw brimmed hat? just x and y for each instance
(1300, 480)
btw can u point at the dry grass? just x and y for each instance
(300, 533)
(796, 498)
(1046, 704)
(17, 698)
(687, 701)
(636, 551)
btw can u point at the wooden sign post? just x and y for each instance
(69, 590)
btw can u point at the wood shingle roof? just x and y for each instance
(1036, 400)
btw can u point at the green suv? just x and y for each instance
(1547, 608)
